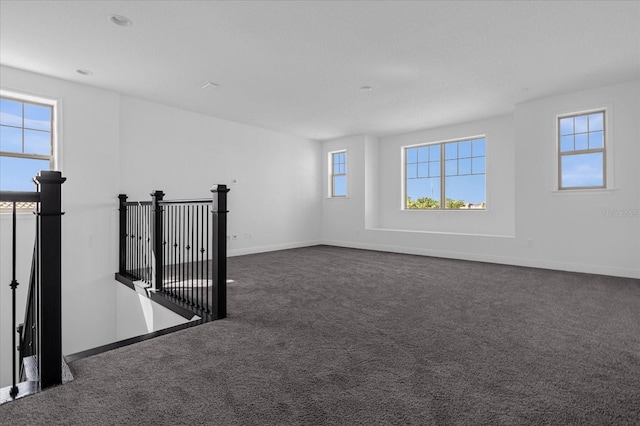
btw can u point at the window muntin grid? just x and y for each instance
(582, 150)
(464, 164)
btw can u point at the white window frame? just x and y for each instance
(333, 175)
(54, 156)
(443, 193)
(606, 151)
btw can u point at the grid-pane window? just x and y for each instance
(26, 135)
(446, 175)
(581, 147)
(339, 174)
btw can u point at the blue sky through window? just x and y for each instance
(581, 146)
(25, 131)
(339, 174)
(464, 171)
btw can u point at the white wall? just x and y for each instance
(526, 222)
(138, 315)
(275, 203)
(89, 161)
(571, 230)
(112, 144)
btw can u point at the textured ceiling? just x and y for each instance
(297, 66)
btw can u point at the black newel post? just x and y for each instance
(122, 235)
(157, 239)
(50, 357)
(219, 258)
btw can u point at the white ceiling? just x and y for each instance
(297, 66)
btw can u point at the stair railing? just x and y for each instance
(40, 336)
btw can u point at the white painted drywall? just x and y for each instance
(275, 200)
(89, 160)
(568, 231)
(136, 314)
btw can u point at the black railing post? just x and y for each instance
(122, 235)
(157, 239)
(219, 257)
(50, 347)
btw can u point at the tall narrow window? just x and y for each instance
(446, 175)
(338, 174)
(581, 151)
(26, 142)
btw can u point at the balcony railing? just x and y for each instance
(177, 248)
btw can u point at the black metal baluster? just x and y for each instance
(198, 257)
(191, 295)
(175, 250)
(209, 213)
(180, 253)
(14, 284)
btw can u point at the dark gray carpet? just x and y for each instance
(326, 335)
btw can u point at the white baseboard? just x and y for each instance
(489, 258)
(271, 247)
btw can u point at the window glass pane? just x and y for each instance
(339, 186)
(10, 112)
(37, 117)
(478, 147)
(37, 142)
(477, 165)
(450, 151)
(464, 149)
(581, 124)
(595, 140)
(434, 169)
(434, 152)
(582, 141)
(465, 190)
(566, 126)
(566, 143)
(336, 168)
(412, 171)
(16, 173)
(451, 167)
(464, 166)
(596, 121)
(423, 193)
(423, 154)
(10, 139)
(423, 170)
(582, 170)
(412, 155)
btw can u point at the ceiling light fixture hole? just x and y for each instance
(123, 21)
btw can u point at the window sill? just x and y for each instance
(573, 192)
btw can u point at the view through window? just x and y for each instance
(26, 136)
(446, 175)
